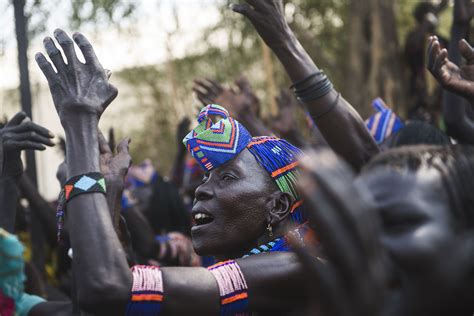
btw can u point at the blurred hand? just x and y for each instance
(114, 167)
(350, 280)
(451, 77)
(19, 134)
(285, 122)
(239, 100)
(268, 18)
(76, 88)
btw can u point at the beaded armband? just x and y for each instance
(91, 182)
(147, 291)
(233, 289)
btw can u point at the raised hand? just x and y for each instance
(350, 280)
(239, 100)
(268, 18)
(76, 87)
(19, 134)
(285, 122)
(453, 78)
(114, 168)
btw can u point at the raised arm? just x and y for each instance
(18, 134)
(337, 120)
(456, 109)
(81, 92)
(456, 80)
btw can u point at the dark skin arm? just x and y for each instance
(455, 107)
(81, 93)
(456, 80)
(47, 214)
(350, 280)
(178, 166)
(18, 134)
(340, 124)
(103, 277)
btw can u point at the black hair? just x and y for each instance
(455, 164)
(418, 133)
(423, 9)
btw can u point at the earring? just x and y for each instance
(270, 230)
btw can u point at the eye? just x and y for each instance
(205, 178)
(228, 177)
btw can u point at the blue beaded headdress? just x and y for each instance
(219, 138)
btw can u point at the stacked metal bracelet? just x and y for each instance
(92, 182)
(312, 87)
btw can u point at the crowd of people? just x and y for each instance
(338, 216)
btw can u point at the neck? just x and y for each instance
(278, 231)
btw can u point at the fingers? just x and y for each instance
(433, 51)
(104, 147)
(86, 48)
(46, 68)
(441, 60)
(34, 137)
(466, 51)
(67, 45)
(16, 119)
(23, 145)
(123, 146)
(32, 127)
(244, 9)
(54, 54)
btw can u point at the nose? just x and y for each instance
(203, 192)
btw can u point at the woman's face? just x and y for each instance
(419, 234)
(231, 207)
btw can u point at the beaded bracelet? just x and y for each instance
(147, 291)
(233, 289)
(92, 182)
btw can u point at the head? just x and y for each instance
(427, 13)
(239, 200)
(417, 133)
(246, 196)
(425, 204)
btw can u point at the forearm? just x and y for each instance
(339, 123)
(178, 166)
(8, 202)
(143, 239)
(454, 105)
(41, 206)
(274, 281)
(99, 260)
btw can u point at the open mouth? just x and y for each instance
(202, 218)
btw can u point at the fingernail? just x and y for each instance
(51, 135)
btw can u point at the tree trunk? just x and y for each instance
(37, 236)
(374, 60)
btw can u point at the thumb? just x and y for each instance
(466, 51)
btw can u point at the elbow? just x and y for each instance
(99, 295)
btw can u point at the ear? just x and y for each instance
(280, 207)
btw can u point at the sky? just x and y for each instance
(141, 42)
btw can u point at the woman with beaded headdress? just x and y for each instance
(246, 204)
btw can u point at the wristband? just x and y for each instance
(147, 291)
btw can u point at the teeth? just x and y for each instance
(199, 216)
